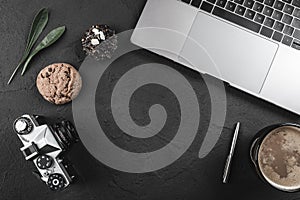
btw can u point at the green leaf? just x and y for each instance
(52, 37)
(37, 26)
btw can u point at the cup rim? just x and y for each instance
(258, 139)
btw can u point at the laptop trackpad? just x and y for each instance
(228, 52)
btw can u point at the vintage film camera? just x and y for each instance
(44, 145)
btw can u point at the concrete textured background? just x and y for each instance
(187, 178)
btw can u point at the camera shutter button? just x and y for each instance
(44, 162)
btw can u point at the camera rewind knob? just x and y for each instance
(44, 162)
(23, 126)
(56, 182)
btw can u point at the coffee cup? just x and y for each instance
(275, 153)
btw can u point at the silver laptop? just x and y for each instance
(253, 45)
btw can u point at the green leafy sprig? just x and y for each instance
(38, 25)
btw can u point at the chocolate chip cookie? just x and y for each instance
(59, 83)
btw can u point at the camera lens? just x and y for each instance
(65, 133)
(70, 130)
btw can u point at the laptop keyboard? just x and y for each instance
(274, 19)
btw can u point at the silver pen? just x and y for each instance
(229, 158)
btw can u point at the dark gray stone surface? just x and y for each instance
(187, 178)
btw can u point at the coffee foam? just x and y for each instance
(279, 158)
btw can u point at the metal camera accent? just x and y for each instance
(44, 145)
